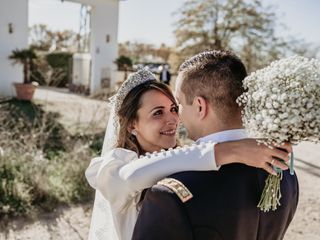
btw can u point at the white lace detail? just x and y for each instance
(102, 226)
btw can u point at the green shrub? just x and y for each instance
(97, 143)
(31, 127)
(61, 61)
(42, 165)
(15, 194)
(124, 63)
(30, 181)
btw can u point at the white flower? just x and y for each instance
(282, 101)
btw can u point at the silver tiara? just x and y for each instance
(134, 80)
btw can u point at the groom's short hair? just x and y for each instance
(216, 76)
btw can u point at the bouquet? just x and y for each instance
(282, 104)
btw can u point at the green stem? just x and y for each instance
(271, 195)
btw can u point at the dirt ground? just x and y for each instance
(76, 111)
(72, 223)
(306, 223)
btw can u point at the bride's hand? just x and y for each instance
(247, 151)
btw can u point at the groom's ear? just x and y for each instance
(202, 107)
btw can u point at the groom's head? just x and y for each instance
(207, 87)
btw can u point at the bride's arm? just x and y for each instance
(120, 175)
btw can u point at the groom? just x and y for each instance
(220, 204)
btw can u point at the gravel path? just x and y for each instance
(76, 111)
(64, 223)
(306, 223)
(73, 223)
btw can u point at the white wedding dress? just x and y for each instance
(120, 176)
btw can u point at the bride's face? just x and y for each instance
(157, 122)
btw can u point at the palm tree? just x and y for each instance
(24, 57)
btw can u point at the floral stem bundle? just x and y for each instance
(282, 104)
(271, 194)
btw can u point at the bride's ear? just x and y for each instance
(131, 127)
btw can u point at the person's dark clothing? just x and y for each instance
(224, 206)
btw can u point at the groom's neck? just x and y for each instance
(215, 125)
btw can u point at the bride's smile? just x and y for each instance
(169, 132)
(157, 121)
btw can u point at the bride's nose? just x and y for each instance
(172, 119)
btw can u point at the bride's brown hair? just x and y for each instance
(128, 113)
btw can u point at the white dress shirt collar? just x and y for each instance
(224, 136)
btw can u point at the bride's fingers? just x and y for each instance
(279, 164)
(269, 169)
(277, 153)
(285, 147)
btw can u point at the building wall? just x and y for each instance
(16, 13)
(104, 43)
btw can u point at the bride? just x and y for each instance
(144, 119)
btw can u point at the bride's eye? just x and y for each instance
(158, 113)
(175, 109)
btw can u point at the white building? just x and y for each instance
(103, 40)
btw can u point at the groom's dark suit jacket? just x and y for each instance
(224, 206)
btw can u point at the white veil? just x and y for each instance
(102, 226)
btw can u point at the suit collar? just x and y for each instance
(224, 136)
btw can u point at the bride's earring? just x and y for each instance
(134, 132)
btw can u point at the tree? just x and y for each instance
(40, 37)
(243, 26)
(43, 39)
(138, 52)
(144, 52)
(124, 63)
(65, 40)
(163, 52)
(24, 57)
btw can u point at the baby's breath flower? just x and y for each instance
(282, 101)
(282, 104)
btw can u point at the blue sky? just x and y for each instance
(151, 21)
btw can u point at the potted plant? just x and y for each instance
(24, 57)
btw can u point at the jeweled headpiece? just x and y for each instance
(112, 132)
(134, 80)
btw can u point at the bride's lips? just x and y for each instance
(171, 132)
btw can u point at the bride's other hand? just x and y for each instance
(249, 152)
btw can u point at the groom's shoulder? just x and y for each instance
(180, 184)
(174, 185)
